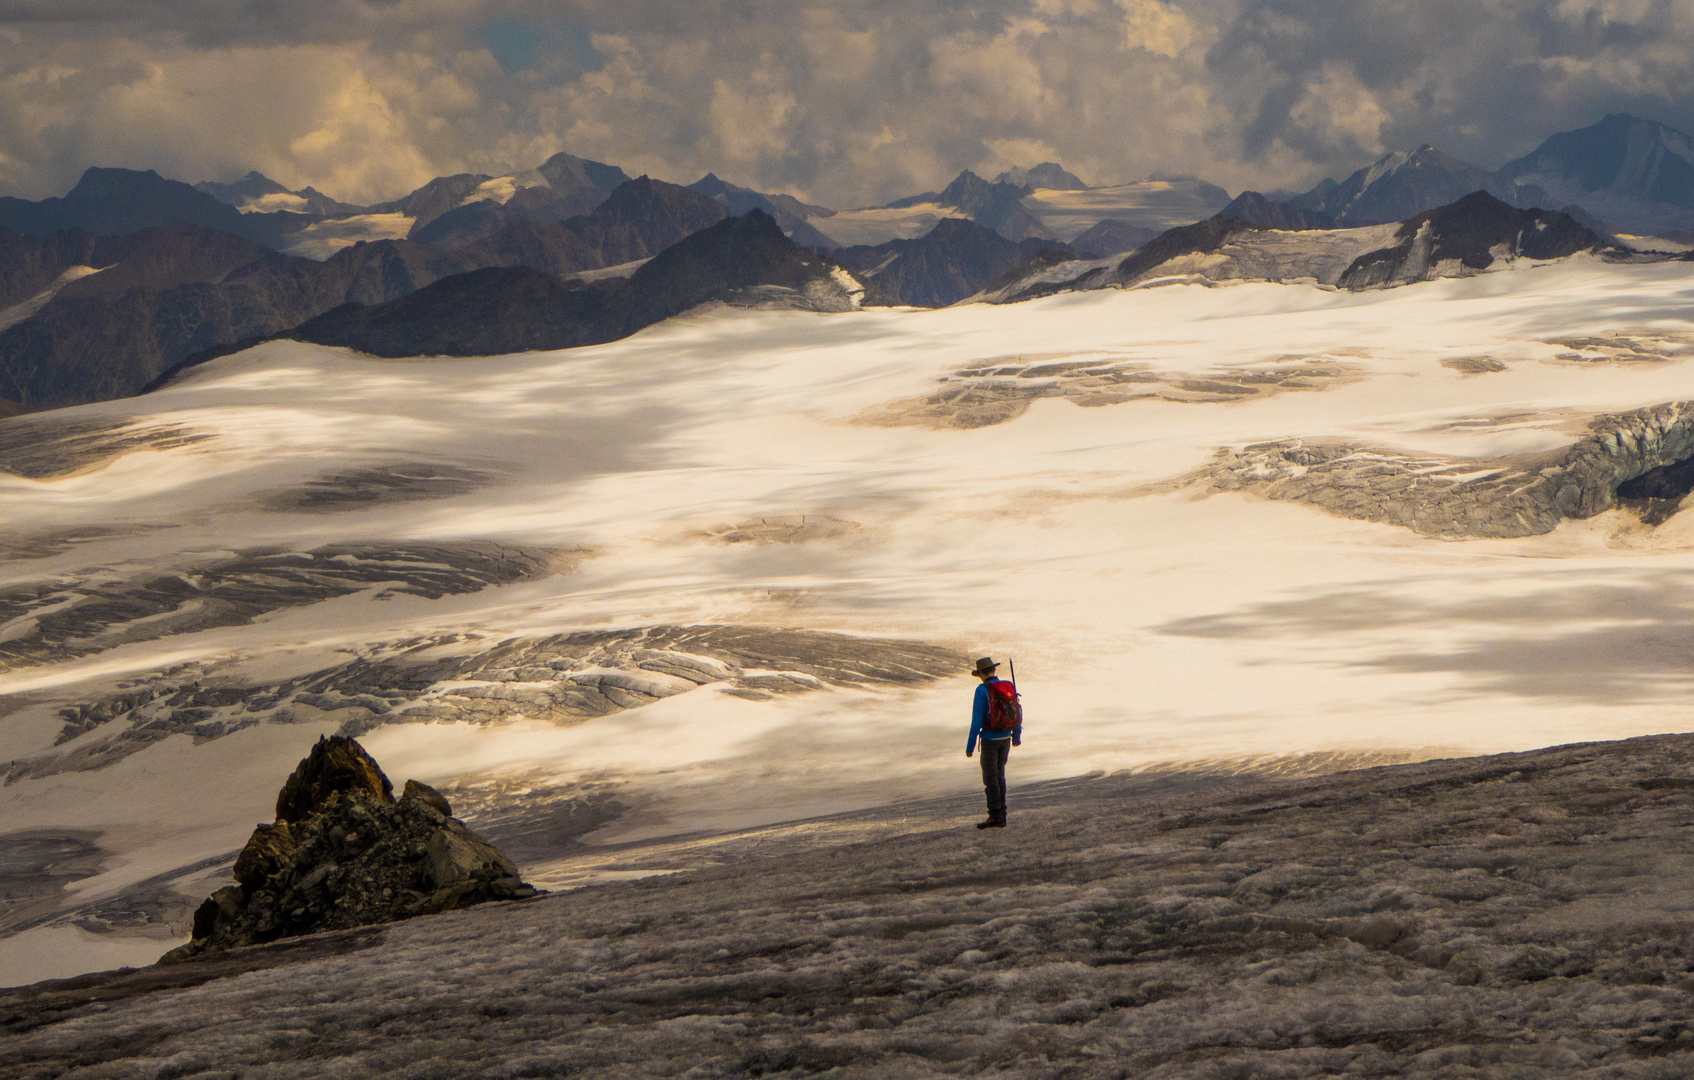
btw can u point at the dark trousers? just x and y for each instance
(994, 754)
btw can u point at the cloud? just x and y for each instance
(847, 102)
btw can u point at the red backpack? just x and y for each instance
(1005, 714)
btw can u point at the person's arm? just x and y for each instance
(979, 713)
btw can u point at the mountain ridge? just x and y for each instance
(495, 310)
(1637, 174)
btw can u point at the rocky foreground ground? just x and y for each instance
(1525, 915)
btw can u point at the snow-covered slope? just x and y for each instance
(719, 573)
(1064, 213)
(321, 239)
(880, 224)
(1158, 203)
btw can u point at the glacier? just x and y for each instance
(714, 576)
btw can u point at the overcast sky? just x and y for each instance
(844, 102)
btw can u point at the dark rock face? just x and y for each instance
(1663, 483)
(183, 290)
(187, 290)
(1111, 236)
(1468, 231)
(954, 260)
(1255, 207)
(501, 310)
(481, 313)
(735, 256)
(157, 258)
(540, 245)
(1202, 236)
(115, 202)
(571, 177)
(1457, 240)
(996, 206)
(343, 853)
(462, 225)
(433, 199)
(642, 218)
(334, 765)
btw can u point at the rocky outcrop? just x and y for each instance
(343, 852)
(1466, 238)
(1624, 456)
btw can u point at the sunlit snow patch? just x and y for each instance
(322, 239)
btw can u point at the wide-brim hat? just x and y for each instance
(985, 666)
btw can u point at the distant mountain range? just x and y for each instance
(129, 273)
(742, 259)
(1471, 235)
(167, 293)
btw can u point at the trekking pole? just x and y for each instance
(1013, 668)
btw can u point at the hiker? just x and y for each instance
(997, 719)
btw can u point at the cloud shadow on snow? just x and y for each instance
(1629, 642)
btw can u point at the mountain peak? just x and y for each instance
(712, 186)
(1636, 174)
(1048, 174)
(1401, 184)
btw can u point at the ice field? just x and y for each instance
(1037, 480)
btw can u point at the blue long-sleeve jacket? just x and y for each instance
(979, 717)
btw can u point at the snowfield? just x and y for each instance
(322, 239)
(1152, 204)
(296, 540)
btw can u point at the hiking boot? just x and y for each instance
(991, 823)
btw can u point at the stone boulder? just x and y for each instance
(344, 852)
